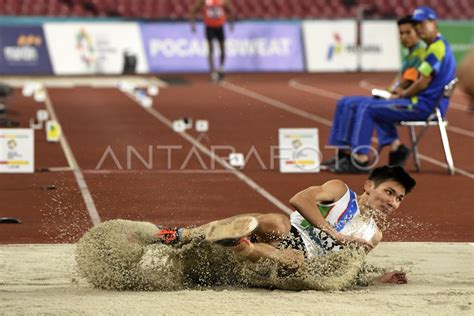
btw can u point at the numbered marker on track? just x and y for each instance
(202, 126)
(236, 160)
(179, 126)
(42, 115)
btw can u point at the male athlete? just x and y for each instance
(327, 218)
(415, 103)
(344, 117)
(214, 19)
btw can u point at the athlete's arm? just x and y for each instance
(305, 202)
(230, 11)
(196, 7)
(377, 237)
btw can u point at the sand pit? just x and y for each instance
(123, 255)
(41, 279)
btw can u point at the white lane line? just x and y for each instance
(55, 169)
(336, 96)
(445, 166)
(148, 171)
(365, 84)
(275, 103)
(459, 130)
(257, 188)
(81, 182)
(289, 108)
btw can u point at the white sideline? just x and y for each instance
(257, 188)
(316, 118)
(81, 182)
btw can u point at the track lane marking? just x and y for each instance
(195, 142)
(278, 104)
(81, 182)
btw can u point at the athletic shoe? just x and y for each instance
(399, 156)
(331, 163)
(347, 166)
(214, 76)
(229, 232)
(220, 75)
(167, 236)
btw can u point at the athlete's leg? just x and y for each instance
(209, 37)
(210, 57)
(289, 258)
(221, 39)
(272, 228)
(222, 56)
(188, 234)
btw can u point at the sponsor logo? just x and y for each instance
(11, 144)
(85, 47)
(185, 48)
(337, 47)
(94, 50)
(25, 50)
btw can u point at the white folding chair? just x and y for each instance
(435, 119)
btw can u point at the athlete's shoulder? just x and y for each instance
(337, 188)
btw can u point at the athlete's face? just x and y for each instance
(385, 197)
(427, 29)
(408, 36)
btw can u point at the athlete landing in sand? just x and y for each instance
(328, 218)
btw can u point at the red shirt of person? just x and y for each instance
(214, 13)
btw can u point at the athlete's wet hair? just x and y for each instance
(406, 20)
(392, 173)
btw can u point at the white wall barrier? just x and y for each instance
(380, 46)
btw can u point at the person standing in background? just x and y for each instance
(215, 16)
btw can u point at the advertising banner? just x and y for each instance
(330, 45)
(460, 35)
(17, 151)
(299, 150)
(380, 46)
(252, 46)
(23, 51)
(94, 48)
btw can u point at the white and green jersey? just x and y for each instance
(343, 215)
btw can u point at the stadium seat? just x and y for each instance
(245, 9)
(435, 119)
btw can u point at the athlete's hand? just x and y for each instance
(368, 245)
(395, 277)
(343, 239)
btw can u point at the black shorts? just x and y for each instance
(292, 241)
(215, 33)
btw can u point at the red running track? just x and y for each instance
(96, 119)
